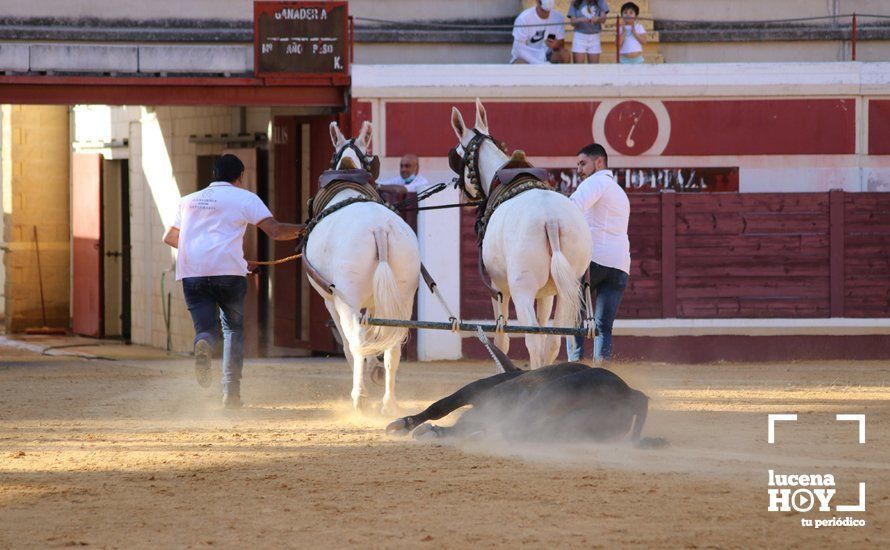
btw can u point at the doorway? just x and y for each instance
(100, 205)
(302, 151)
(116, 247)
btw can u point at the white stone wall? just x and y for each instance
(163, 167)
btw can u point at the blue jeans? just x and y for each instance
(204, 296)
(609, 284)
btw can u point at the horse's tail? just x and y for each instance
(388, 303)
(568, 286)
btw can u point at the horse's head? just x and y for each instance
(466, 158)
(353, 153)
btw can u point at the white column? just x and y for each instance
(439, 235)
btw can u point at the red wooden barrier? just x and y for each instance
(742, 255)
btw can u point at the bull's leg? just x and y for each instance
(551, 343)
(467, 395)
(391, 358)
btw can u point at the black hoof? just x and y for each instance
(401, 426)
(427, 431)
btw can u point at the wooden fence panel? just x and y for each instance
(867, 255)
(742, 255)
(753, 255)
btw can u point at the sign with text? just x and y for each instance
(293, 39)
(653, 180)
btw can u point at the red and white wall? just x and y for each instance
(749, 128)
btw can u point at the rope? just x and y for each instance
(276, 262)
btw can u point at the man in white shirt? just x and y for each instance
(209, 233)
(539, 35)
(408, 179)
(607, 211)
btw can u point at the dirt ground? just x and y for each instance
(135, 454)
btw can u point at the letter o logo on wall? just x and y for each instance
(632, 127)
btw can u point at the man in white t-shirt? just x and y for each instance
(209, 233)
(606, 209)
(539, 35)
(408, 179)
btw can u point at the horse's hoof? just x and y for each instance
(390, 410)
(425, 431)
(402, 426)
(378, 375)
(360, 404)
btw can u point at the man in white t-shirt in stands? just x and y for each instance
(606, 209)
(539, 35)
(209, 233)
(409, 178)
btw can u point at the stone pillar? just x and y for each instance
(35, 168)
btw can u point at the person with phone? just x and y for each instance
(587, 16)
(539, 35)
(631, 35)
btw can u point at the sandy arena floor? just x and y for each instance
(135, 454)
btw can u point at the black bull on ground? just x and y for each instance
(564, 402)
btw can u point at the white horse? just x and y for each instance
(536, 245)
(372, 258)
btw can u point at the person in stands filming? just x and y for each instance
(539, 35)
(631, 35)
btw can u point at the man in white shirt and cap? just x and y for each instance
(409, 178)
(539, 35)
(209, 233)
(607, 212)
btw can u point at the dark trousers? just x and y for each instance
(609, 284)
(205, 296)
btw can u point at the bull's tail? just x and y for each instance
(568, 286)
(388, 303)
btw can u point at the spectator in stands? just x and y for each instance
(409, 180)
(539, 35)
(587, 16)
(606, 209)
(631, 35)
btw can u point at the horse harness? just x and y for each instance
(330, 184)
(515, 177)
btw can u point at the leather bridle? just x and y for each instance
(468, 165)
(371, 163)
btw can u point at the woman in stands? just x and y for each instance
(587, 16)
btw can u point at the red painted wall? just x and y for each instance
(695, 128)
(543, 129)
(879, 127)
(762, 127)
